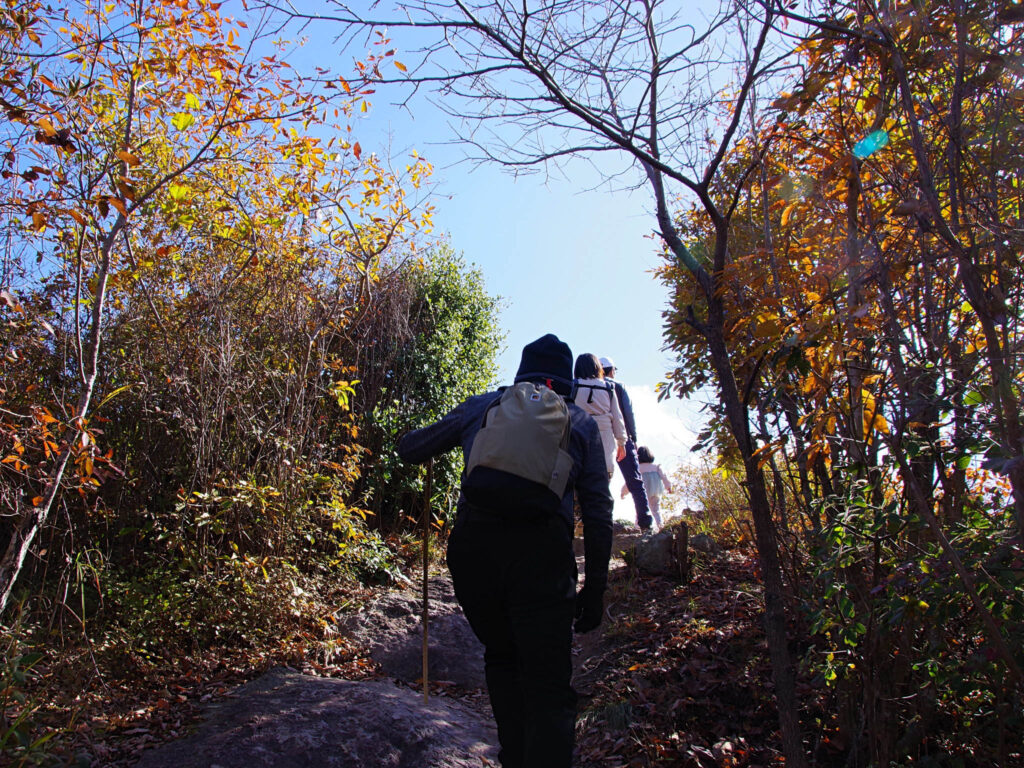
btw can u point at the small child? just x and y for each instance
(655, 482)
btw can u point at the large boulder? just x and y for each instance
(704, 543)
(289, 720)
(391, 630)
(623, 536)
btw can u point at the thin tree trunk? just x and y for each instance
(783, 672)
(27, 528)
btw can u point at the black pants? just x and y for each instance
(630, 468)
(516, 582)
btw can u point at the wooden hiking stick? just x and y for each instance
(426, 561)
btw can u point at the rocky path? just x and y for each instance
(285, 718)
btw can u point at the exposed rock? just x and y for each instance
(621, 526)
(656, 554)
(624, 534)
(704, 543)
(390, 628)
(289, 720)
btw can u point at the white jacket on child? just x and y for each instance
(655, 482)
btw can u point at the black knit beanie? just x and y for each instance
(548, 360)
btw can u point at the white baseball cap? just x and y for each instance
(607, 362)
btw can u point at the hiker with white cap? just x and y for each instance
(629, 464)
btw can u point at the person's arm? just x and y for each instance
(596, 512)
(626, 406)
(618, 425)
(664, 480)
(419, 445)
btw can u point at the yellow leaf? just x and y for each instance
(874, 422)
(401, 66)
(178, 192)
(47, 126)
(767, 325)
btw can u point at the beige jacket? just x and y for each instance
(597, 398)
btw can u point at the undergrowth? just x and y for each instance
(162, 637)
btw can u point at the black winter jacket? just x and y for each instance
(589, 477)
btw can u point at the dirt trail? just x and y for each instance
(285, 719)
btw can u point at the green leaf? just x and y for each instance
(183, 120)
(974, 397)
(846, 607)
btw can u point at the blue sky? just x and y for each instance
(567, 254)
(567, 259)
(575, 263)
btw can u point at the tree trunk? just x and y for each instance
(776, 634)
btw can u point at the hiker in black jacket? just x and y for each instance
(516, 577)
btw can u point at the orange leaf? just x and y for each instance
(357, 150)
(401, 66)
(128, 158)
(47, 126)
(786, 214)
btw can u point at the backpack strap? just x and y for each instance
(609, 388)
(493, 404)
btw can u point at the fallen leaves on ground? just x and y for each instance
(684, 678)
(678, 677)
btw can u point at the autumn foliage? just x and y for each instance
(873, 294)
(197, 252)
(218, 311)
